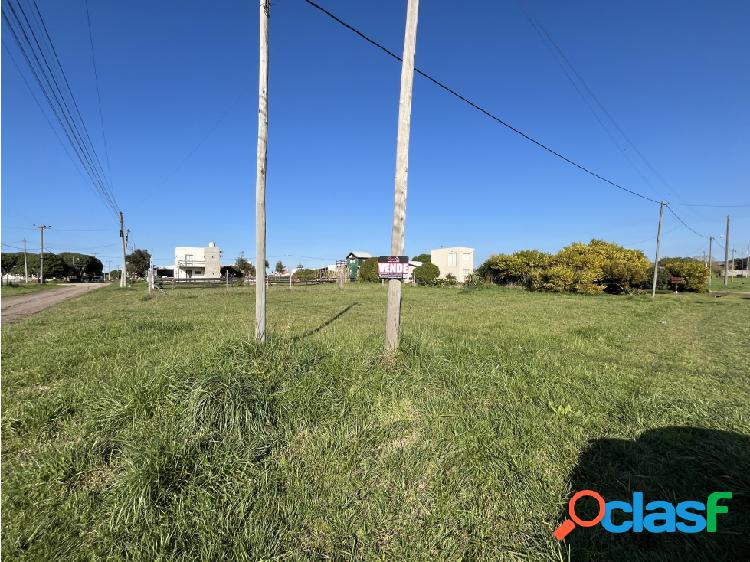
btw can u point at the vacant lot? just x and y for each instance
(153, 429)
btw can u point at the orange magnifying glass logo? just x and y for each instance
(569, 524)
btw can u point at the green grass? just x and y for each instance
(25, 289)
(155, 429)
(733, 284)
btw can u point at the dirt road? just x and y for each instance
(21, 306)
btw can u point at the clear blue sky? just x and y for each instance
(179, 97)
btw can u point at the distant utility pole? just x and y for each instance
(124, 239)
(732, 262)
(710, 271)
(25, 264)
(42, 228)
(658, 248)
(260, 178)
(393, 313)
(726, 254)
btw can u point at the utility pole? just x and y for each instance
(25, 264)
(260, 178)
(42, 228)
(124, 240)
(710, 271)
(726, 254)
(658, 248)
(393, 313)
(733, 267)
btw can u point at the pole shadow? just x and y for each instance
(331, 320)
(672, 464)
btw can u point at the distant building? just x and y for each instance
(354, 261)
(195, 262)
(457, 261)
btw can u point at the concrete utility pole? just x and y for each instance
(42, 228)
(710, 271)
(658, 248)
(124, 240)
(260, 178)
(732, 262)
(393, 313)
(726, 255)
(25, 264)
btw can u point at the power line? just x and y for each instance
(483, 110)
(34, 54)
(98, 91)
(686, 225)
(70, 90)
(716, 206)
(61, 119)
(511, 127)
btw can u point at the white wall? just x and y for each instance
(458, 261)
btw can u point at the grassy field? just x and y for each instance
(155, 429)
(25, 289)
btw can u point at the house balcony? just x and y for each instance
(191, 263)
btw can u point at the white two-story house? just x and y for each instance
(458, 261)
(195, 262)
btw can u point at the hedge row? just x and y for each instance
(592, 268)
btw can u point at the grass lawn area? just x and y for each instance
(733, 284)
(155, 429)
(25, 289)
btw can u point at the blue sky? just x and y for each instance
(178, 84)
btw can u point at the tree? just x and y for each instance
(368, 271)
(9, 261)
(138, 262)
(279, 266)
(423, 258)
(247, 269)
(79, 265)
(231, 270)
(306, 274)
(426, 274)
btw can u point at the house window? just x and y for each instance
(452, 258)
(188, 258)
(466, 257)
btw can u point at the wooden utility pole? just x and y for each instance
(710, 270)
(726, 255)
(260, 178)
(393, 313)
(123, 239)
(658, 248)
(42, 228)
(25, 264)
(733, 264)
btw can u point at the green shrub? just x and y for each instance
(517, 268)
(306, 274)
(426, 274)
(368, 271)
(694, 273)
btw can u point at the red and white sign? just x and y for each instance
(393, 267)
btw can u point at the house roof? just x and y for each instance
(358, 254)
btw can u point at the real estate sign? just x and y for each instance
(393, 267)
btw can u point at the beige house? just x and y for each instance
(457, 261)
(195, 262)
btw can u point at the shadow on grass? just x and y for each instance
(672, 464)
(331, 320)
